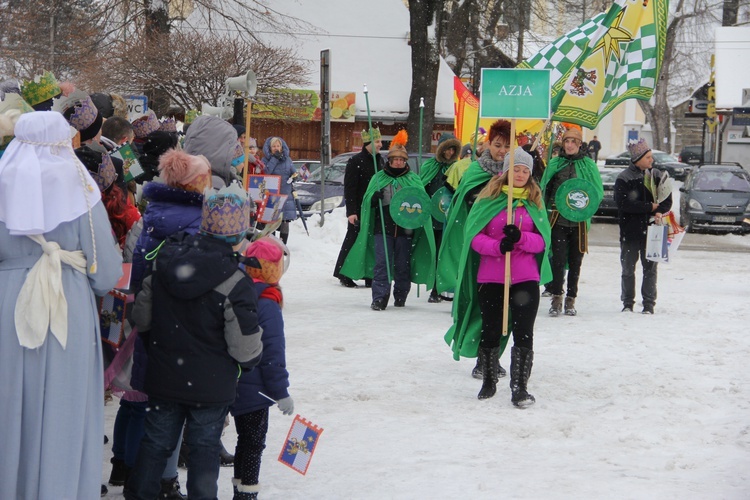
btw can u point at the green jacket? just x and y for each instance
(453, 234)
(360, 261)
(585, 169)
(466, 332)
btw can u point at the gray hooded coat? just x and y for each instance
(215, 139)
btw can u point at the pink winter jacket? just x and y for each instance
(523, 263)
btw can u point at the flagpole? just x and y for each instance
(380, 202)
(509, 217)
(476, 132)
(421, 120)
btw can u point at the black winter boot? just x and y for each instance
(227, 458)
(119, 472)
(489, 372)
(521, 360)
(170, 489)
(477, 371)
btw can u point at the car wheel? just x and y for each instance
(685, 221)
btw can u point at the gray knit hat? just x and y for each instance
(520, 157)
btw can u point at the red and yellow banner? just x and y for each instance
(466, 110)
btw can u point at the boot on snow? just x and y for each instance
(570, 306)
(521, 360)
(556, 306)
(477, 371)
(489, 372)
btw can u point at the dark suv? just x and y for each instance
(692, 155)
(716, 197)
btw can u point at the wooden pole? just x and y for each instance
(246, 173)
(511, 162)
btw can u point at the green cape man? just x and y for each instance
(451, 247)
(466, 332)
(361, 259)
(585, 169)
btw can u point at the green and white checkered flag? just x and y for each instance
(612, 57)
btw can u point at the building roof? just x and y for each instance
(368, 43)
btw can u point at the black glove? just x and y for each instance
(378, 195)
(506, 245)
(512, 233)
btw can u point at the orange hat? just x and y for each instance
(270, 255)
(574, 133)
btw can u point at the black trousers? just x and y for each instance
(630, 252)
(524, 304)
(251, 441)
(352, 231)
(566, 251)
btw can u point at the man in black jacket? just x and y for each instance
(197, 315)
(636, 204)
(359, 170)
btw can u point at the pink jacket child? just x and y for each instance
(524, 266)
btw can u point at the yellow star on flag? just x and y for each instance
(610, 42)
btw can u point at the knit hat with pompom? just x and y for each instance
(188, 172)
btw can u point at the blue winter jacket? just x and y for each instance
(270, 376)
(170, 210)
(282, 166)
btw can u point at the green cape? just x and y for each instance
(360, 261)
(466, 332)
(430, 169)
(585, 169)
(453, 234)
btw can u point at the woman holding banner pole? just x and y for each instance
(492, 235)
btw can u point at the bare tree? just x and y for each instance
(192, 68)
(685, 29)
(38, 35)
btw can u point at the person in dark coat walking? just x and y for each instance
(270, 377)
(636, 205)
(359, 170)
(197, 316)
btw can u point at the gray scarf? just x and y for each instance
(489, 165)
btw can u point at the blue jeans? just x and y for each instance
(128, 432)
(164, 421)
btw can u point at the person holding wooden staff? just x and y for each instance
(492, 236)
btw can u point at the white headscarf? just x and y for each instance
(43, 184)
(41, 180)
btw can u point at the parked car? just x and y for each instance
(305, 167)
(308, 192)
(662, 161)
(716, 197)
(608, 208)
(692, 155)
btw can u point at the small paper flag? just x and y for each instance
(112, 317)
(259, 185)
(130, 164)
(272, 208)
(300, 445)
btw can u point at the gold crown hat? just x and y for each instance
(375, 135)
(191, 115)
(41, 89)
(145, 124)
(99, 165)
(226, 213)
(168, 125)
(12, 107)
(78, 108)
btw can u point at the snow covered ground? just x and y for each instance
(628, 405)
